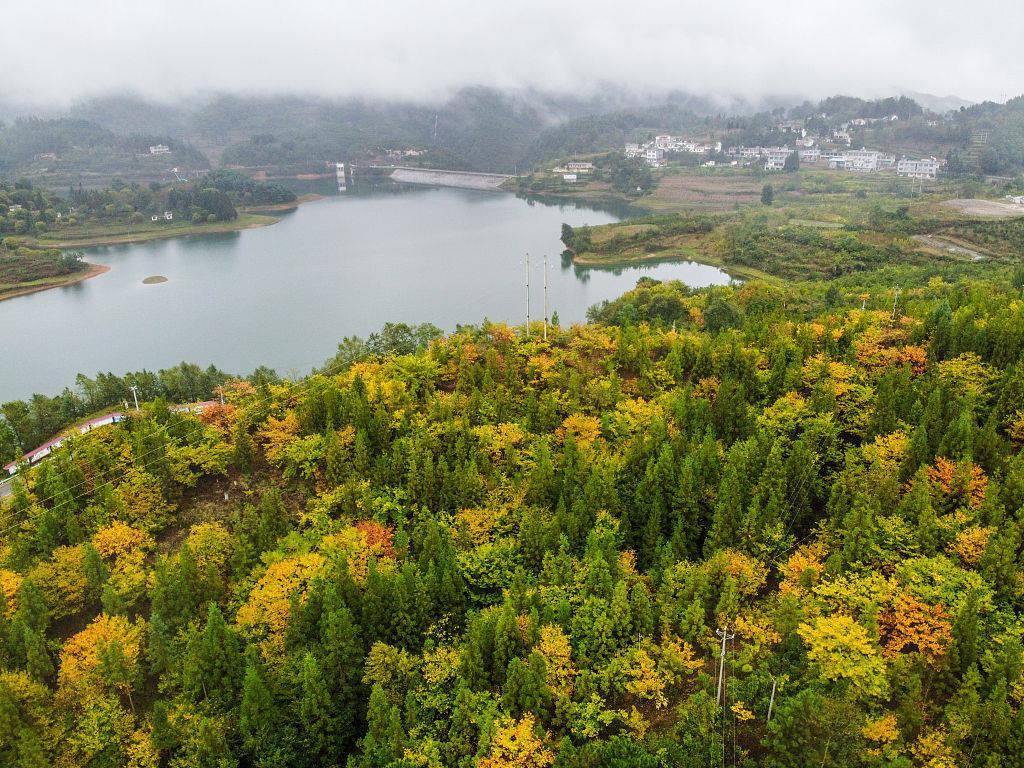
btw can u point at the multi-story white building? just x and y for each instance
(809, 155)
(160, 149)
(579, 166)
(927, 168)
(775, 158)
(861, 160)
(664, 142)
(654, 156)
(631, 149)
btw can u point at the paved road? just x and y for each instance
(5, 484)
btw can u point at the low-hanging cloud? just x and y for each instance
(61, 51)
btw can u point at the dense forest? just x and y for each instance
(769, 524)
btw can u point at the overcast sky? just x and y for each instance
(62, 50)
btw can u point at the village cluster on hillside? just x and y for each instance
(831, 150)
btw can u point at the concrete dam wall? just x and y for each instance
(438, 178)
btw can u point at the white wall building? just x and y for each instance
(775, 159)
(928, 168)
(160, 149)
(810, 155)
(861, 160)
(654, 156)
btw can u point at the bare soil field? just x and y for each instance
(944, 245)
(993, 208)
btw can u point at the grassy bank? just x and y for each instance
(12, 290)
(87, 237)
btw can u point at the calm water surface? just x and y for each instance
(285, 295)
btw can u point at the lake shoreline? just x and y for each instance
(95, 270)
(245, 221)
(736, 271)
(272, 208)
(250, 218)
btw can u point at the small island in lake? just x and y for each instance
(154, 279)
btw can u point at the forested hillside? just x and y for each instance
(489, 550)
(66, 150)
(476, 128)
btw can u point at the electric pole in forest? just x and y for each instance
(527, 295)
(545, 297)
(771, 701)
(895, 298)
(724, 634)
(135, 394)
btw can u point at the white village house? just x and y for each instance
(927, 168)
(775, 158)
(861, 160)
(654, 156)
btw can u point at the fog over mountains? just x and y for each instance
(425, 52)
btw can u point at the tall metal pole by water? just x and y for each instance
(545, 297)
(527, 295)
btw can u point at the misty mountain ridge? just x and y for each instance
(476, 128)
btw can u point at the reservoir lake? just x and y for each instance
(285, 295)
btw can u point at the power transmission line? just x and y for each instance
(527, 295)
(545, 297)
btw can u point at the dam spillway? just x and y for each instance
(440, 178)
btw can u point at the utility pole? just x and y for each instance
(771, 701)
(895, 298)
(527, 295)
(135, 394)
(545, 297)
(724, 634)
